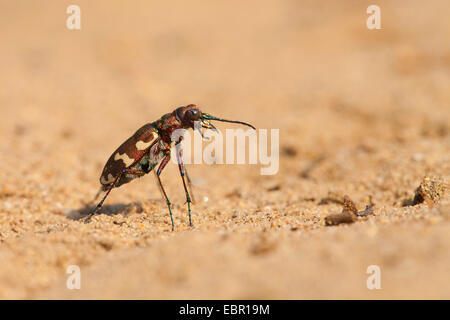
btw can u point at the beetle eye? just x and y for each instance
(193, 114)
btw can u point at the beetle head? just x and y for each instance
(188, 115)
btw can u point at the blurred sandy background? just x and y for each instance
(363, 113)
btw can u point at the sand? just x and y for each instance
(363, 113)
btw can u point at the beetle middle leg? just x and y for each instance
(100, 204)
(158, 173)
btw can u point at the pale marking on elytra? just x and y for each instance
(125, 158)
(107, 181)
(141, 145)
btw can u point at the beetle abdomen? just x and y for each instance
(129, 153)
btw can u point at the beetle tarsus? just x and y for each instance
(189, 210)
(88, 218)
(171, 216)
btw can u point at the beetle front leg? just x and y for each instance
(182, 173)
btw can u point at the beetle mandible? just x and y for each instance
(150, 145)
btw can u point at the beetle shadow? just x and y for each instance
(108, 209)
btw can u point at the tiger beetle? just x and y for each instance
(151, 145)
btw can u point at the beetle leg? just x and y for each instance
(100, 204)
(158, 172)
(97, 194)
(182, 173)
(100, 190)
(189, 183)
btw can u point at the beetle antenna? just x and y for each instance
(209, 117)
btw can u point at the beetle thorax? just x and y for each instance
(167, 125)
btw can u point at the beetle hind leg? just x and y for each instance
(100, 204)
(108, 190)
